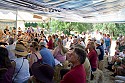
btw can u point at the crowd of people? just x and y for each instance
(34, 57)
(117, 63)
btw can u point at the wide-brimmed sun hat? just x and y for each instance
(43, 72)
(20, 50)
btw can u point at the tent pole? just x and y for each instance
(16, 22)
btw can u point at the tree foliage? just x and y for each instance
(70, 26)
(30, 24)
(112, 28)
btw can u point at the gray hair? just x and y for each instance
(11, 40)
(81, 54)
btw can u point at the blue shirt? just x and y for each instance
(47, 57)
(107, 42)
(100, 57)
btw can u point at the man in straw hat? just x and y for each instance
(21, 74)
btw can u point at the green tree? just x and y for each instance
(112, 28)
(83, 27)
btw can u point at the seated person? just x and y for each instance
(47, 56)
(115, 61)
(42, 73)
(120, 70)
(122, 54)
(59, 52)
(21, 73)
(6, 68)
(35, 55)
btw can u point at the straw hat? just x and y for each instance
(20, 50)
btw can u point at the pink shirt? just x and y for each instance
(57, 54)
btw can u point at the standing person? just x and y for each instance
(14, 30)
(38, 31)
(92, 55)
(56, 38)
(108, 43)
(50, 42)
(7, 34)
(21, 74)
(6, 29)
(69, 42)
(75, 42)
(101, 55)
(31, 29)
(65, 40)
(77, 74)
(28, 30)
(6, 68)
(47, 56)
(19, 29)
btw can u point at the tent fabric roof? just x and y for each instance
(21, 16)
(91, 11)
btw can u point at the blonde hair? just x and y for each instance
(92, 44)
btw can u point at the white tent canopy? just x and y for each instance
(92, 11)
(21, 16)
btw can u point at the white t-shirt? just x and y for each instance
(23, 74)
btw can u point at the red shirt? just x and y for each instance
(75, 75)
(50, 44)
(93, 57)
